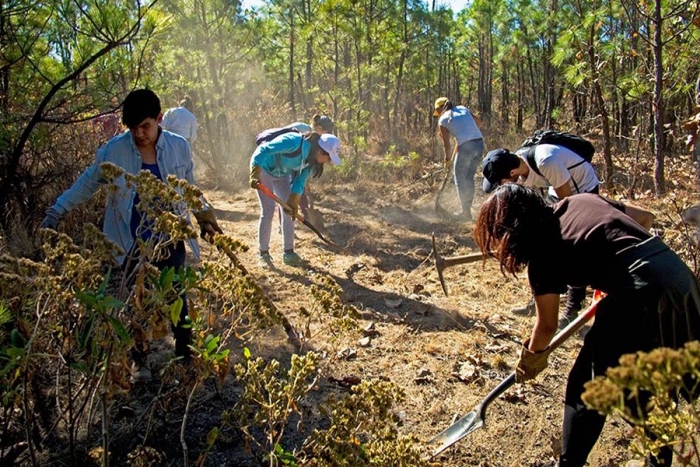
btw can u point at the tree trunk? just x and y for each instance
(505, 94)
(657, 103)
(520, 77)
(602, 111)
(534, 88)
(548, 68)
(291, 64)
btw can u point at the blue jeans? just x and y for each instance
(467, 160)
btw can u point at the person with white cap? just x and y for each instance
(458, 121)
(319, 124)
(272, 164)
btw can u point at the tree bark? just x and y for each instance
(657, 102)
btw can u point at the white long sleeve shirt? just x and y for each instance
(181, 121)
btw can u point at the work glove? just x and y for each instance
(293, 203)
(530, 364)
(207, 223)
(255, 172)
(51, 219)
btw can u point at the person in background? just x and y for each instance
(107, 124)
(564, 173)
(653, 298)
(458, 121)
(145, 146)
(272, 164)
(181, 120)
(321, 124)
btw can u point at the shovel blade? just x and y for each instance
(458, 430)
(316, 218)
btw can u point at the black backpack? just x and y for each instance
(575, 143)
(272, 133)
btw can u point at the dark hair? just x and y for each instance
(186, 102)
(316, 167)
(449, 106)
(324, 122)
(138, 106)
(514, 226)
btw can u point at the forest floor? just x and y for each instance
(446, 353)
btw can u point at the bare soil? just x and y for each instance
(446, 353)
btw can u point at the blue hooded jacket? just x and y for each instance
(272, 156)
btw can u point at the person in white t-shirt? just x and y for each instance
(181, 120)
(561, 170)
(563, 173)
(458, 121)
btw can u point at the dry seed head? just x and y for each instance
(110, 171)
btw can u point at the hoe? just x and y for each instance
(442, 263)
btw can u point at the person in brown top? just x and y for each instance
(653, 298)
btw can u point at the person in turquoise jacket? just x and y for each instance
(273, 164)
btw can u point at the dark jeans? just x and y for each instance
(659, 307)
(601, 350)
(174, 258)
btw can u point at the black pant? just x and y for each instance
(174, 257)
(659, 308)
(601, 350)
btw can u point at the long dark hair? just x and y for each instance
(316, 167)
(514, 226)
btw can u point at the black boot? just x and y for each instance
(574, 303)
(183, 338)
(140, 371)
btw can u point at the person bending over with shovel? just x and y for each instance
(564, 173)
(320, 124)
(272, 165)
(653, 299)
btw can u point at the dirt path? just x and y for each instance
(446, 353)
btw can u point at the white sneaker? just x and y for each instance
(526, 310)
(140, 375)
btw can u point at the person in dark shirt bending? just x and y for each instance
(653, 299)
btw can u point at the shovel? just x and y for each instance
(313, 215)
(477, 417)
(439, 209)
(299, 217)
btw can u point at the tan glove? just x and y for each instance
(207, 223)
(293, 203)
(255, 172)
(530, 363)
